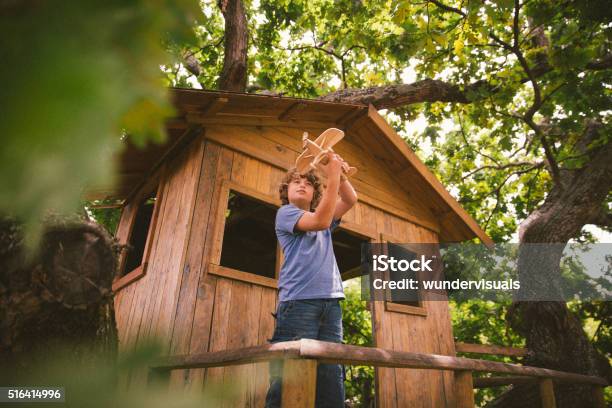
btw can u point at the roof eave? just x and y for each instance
(427, 175)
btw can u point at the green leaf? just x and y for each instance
(440, 39)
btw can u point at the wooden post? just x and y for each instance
(547, 393)
(598, 397)
(464, 389)
(299, 383)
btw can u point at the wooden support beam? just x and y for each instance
(355, 120)
(214, 107)
(464, 389)
(547, 393)
(299, 383)
(292, 109)
(490, 349)
(242, 276)
(350, 116)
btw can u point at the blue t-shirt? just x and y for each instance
(309, 270)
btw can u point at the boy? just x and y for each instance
(310, 287)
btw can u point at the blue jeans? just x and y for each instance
(319, 319)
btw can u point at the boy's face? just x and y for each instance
(300, 191)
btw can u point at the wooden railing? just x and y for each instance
(302, 356)
(490, 349)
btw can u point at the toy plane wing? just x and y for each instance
(329, 138)
(307, 157)
(312, 149)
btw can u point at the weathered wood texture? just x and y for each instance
(177, 302)
(146, 308)
(299, 383)
(195, 311)
(490, 349)
(412, 332)
(547, 393)
(464, 389)
(363, 125)
(279, 147)
(329, 352)
(302, 356)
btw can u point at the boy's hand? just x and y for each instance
(323, 215)
(333, 168)
(345, 168)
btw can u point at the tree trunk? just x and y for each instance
(58, 302)
(234, 74)
(553, 334)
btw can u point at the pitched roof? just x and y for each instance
(364, 123)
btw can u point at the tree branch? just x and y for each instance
(504, 166)
(447, 8)
(498, 190)
(603, 63)
(515, 24)
(501, 42)
(537, 93)
(331, 52)
(192, 64)
(430, 90)
(467, 143)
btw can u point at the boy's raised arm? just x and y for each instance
(323, 215)
(347, 199)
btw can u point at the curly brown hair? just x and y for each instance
(311, 176)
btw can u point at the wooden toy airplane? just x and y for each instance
(315, 152)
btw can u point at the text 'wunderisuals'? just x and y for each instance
(462, 271)
(384, 263)
(414, 284)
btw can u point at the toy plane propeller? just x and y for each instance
(315, 152)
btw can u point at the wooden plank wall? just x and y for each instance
(410, 332)
(146, 308)
(279, 146)
(195, 312)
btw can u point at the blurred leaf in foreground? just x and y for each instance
(76, 76)
(94, 382)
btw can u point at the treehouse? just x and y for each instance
(203, 261)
